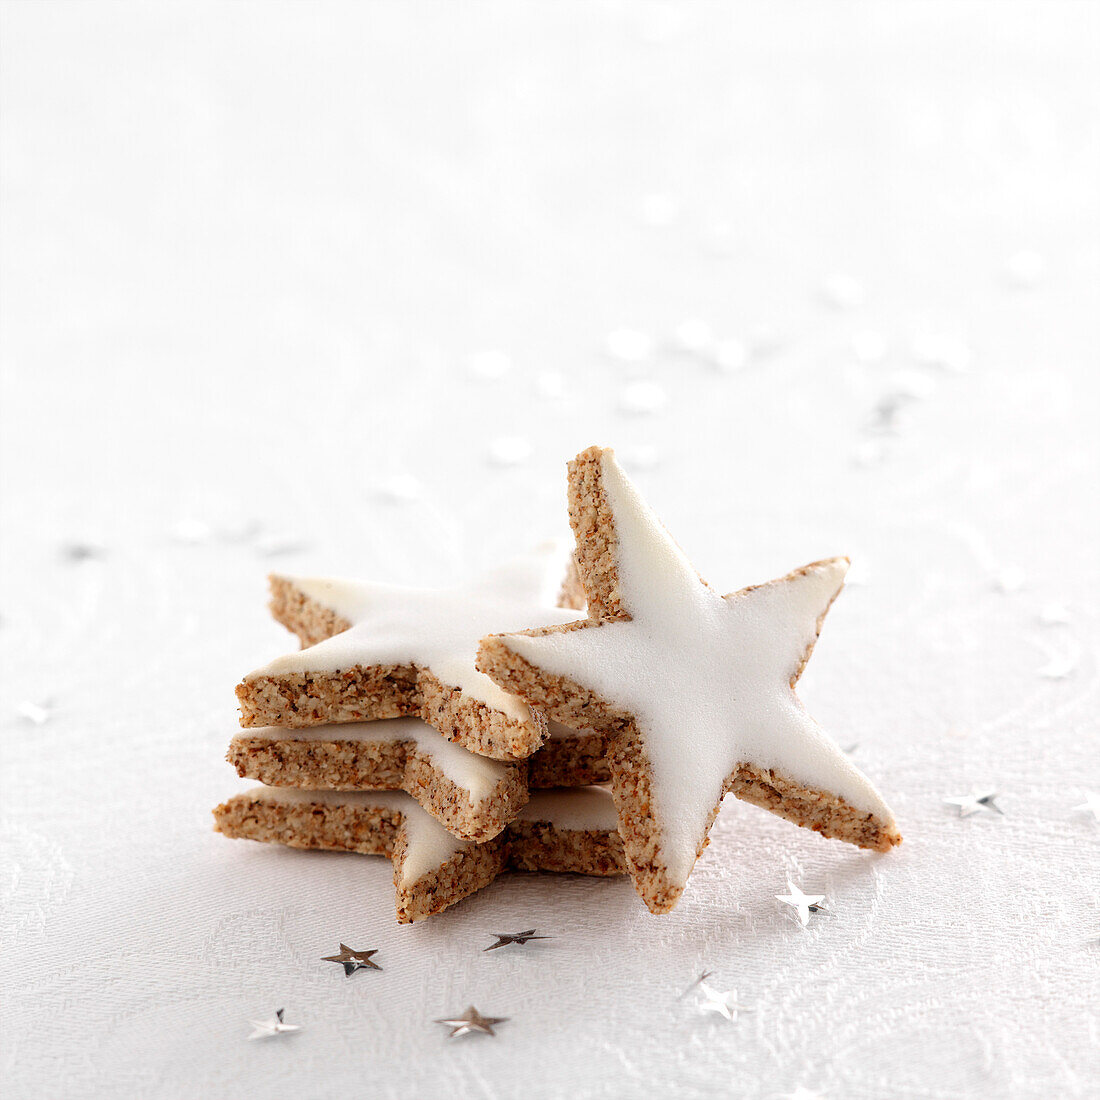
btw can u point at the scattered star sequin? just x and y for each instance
(506, 938)
(34, 712)
(263, 1029)
(720, 1002)
(1091, 805)
(642, 397)
(510, 450)
(977, 800)
(353, 960)
(803, 904)
(470, 1021)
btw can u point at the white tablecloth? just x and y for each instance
(253, 259)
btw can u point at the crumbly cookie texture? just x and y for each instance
(569, 758)
(374, 651)
(301, 615)
(472, 797)
(571, 831)
(693, 690)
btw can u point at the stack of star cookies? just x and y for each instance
(464, 731)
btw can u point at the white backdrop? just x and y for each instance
(339, 288)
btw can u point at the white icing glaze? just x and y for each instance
(589, 808)
(707, 678)
(428, 844)
(436, 629)
(477, 774)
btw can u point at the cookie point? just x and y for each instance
(488, 646)
(595, 451)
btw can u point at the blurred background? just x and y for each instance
(339, 288)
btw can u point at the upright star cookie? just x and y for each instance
(572, 830)
(696, 690)
(379, 651)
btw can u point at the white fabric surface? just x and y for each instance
(246, 252)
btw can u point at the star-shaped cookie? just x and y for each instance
(562, 830)
(695, 689)
(470, 795)
(380, 651)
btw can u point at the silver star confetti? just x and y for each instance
(353, 960)
(472, 1021)
(722, 1003)
(974, 801)
(505, 938)
(1091, 805)
(805, 904)
(275, 1026)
